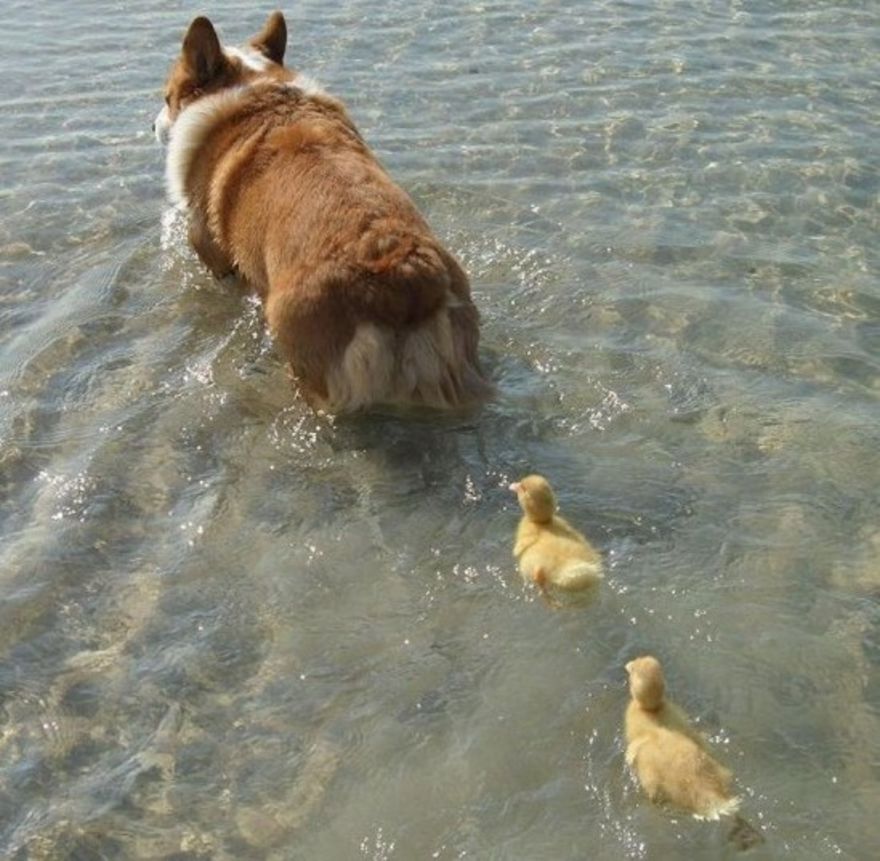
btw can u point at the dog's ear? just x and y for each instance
(271, 41)
(202, 51)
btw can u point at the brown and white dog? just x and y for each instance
(364, 302)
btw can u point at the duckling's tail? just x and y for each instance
(715, 804)
(579, 575)
(743, 835)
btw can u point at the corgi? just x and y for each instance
(364, 303)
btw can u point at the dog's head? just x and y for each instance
(205, 66)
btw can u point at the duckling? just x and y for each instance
(670, 758)
(549, 550)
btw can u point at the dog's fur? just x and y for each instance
(364, 302)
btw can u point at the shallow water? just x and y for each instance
(230, 629)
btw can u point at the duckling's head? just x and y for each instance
(646, 682)
(535, 498)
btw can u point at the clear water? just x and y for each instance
(229, 629)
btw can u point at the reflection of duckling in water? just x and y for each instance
(671, 759)
(549, 550)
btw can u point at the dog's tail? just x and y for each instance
(395, 327)
(434, 364)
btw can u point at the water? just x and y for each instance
(230, 629)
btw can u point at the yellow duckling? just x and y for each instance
(549, 550)
(670, 758)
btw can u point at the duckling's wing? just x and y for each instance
(676, 718)
(563, 527)
(632, 750)
(527, 534)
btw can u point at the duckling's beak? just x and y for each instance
(516, 487)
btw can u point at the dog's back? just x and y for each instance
(376, 311)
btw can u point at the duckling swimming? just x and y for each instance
(670, 758)
(549, 550)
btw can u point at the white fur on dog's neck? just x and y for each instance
(188, 134)
(197, 121)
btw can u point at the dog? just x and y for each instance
(364, 302)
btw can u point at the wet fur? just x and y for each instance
(364, 302)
